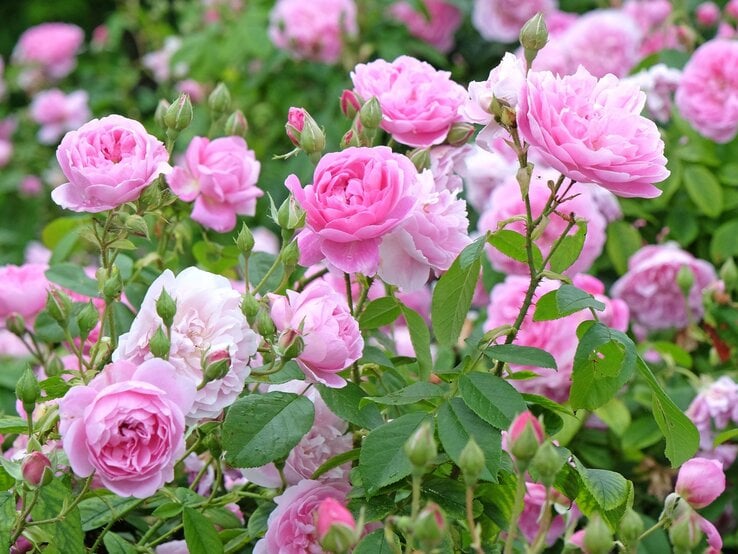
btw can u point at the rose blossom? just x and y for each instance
(700, 482)
(438, 29)
(650, 287)
(58, 113)
(707, 95)
(53, 46)
(172, 547)
(534, 504)
(712, 411)
(659, 82)
(24, 289)
(485, 169)
(446, 165)
(208, 319)
(108, 162)
(592, 131)
(501, 20)
(419, 103)
(292, 524)
(313, 30)
(321, 316)
(707, 14)
(220, 176)
(127, 426)
(357, 196)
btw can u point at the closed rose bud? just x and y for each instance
(34, 469)
(350, 103)
(236, 124)
(290, 255)
(547, 463)
(312, 137)
(87, 319)
(179, 115)
(21, 546)
(460, 133)
(15, 324)
(471, 462)
(59, 306)
(707, 14)
(250, 307)
(729, 274)
(370, 114)
(533, 37)
(245, 240)
(335, 526)
(420, 158)
(630, 528)
(264, 324)
(159, 344)
(421, 447)
(430, 526)
(700, 481)
(295, 124)
(290, 215)
(597, 536)
(161, 110)
(166, 308)
(216, 365)
(54, 366)
(219, 100)
(113, 285)
(290, 344)
(525, 436)
(350, 138)
(685, 280)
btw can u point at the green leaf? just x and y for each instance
(336, 461)
(683, 225)
(604, 361)
(52, 499)
(616, 416)
(167, 510)
(54, 387)
(200, 535)
(72, 277)
(57, 230)
(728, 174)
(472, 252)
(453, 295)
(257, 524)
(420, 339)
(47, 329)
(115, 544)
(382, 460)
(606, 492)
(491, 398)
(7, 519)
(512, 244)
(565, 300)
(379, 312)
(376, 543)
(723, 244)
(449, 494)
(704, 189)
(725, 436)
(457, 423)
(10, 425)
(521, 355)
(99, 510)
(569, 249)
(682, 437)
(412, 394)
(218, 258)
(346, 404)
(623, 240)
(261, 428)
(259, 264)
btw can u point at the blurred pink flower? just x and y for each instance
(58, 113)
(707, 14)
(24, 290)
(437, 30)
(501, 20)
(51, 46)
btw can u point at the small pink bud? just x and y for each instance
(708, 14)
(700, 482)
(525, 436)
(21, 546)
(521, 422)
(34, 468)
(216, 365)
(332, 512)
(295, 124)
(350, 103)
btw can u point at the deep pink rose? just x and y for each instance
(331, 336)
(438, 29)
(313, 30)
(58, 113)
(127, 425)
(108, 162)
(220, 176)
(357, 196)
(501, 20)
(707, 95)
(651, 290)
(24, 290)
(592, 131)
(700, 482)
(419, 103)
(295, 124)
(53, 46)
(292, 525)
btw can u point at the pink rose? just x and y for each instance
(313, 30)
(437, 29)
(659, 82)
(7, 128)
(53, 46)
(220, 176)
(651, 291)
(331, 336)
(295, 124)
(159, 62)
(24, 289)
(707, 95)
(108, 162)
(208, 319)
(127, 426)
(172, 547)
(592, 131)
(292, 525)
(501, 20)
(700, 482)
(707, 14)
(446, 164)
(332, 512)
(485, 169)
(58, 113)
(358, 195)
(717, 403)
(419, 103)
(534, 504)
(30, 186)
(192, 87)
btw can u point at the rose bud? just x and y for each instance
(34, 469)
(700, 482)
(336, 526)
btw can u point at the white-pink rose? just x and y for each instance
(58, 113)
(24, 289)
(501, 20)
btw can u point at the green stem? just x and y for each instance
(349, 295)
(517, 509)
(662, 523)
(20, 522)
(268, 274)
(476, 543)
(121, 515)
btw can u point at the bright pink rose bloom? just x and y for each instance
(24, 290)
(331, 336)
(313, 30)
(501, 20)
(357, 196)
(208, 320)
(651, 291)
(127, 425)
(700, 481)
(53, 46)
(58, 113)
(707, 14)
(731, 9)
(220, 176)
(429, 239)
(419, 103)
(534, 504)
(108, 162)
(707, 95)
(332, 512)
(592, 131)
(292, 525)
(437, 30)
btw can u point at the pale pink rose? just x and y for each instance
(172, 547)
(313, 30)
(58, 113)
(30, 186)
(437, 29)
(37, 253)
(331, 336)
(725, 30)
(193, 88)
(100, 37)
(292, 525)
(108, 162)
(127, 426)
(357, 196)
(11, 346)
(652, 16)
(484, 170)
(707, 95)
(52, 46)
(265, 241)
(507, 202)
(501, 20)
(419, 103)
(717, 403)
(534, 503)
(659, 82)
(208, 319)
(193, 466)
(446, 166)
(159, 62)
(24, 290)
(700, 481)
(651, 291)
(707, 14)
(220, 176)
(592, 131)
